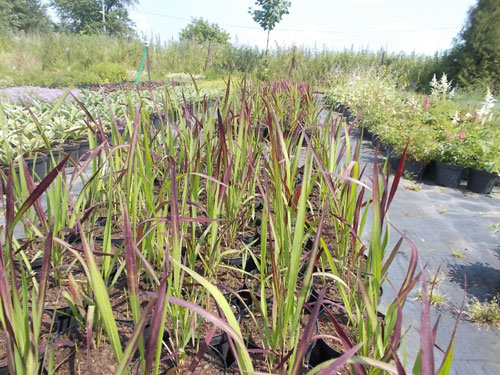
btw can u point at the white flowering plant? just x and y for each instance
(443, 88)
(485, 113)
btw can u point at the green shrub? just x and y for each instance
(111, 72)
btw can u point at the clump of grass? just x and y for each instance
(436, 280)
(495, 227)
(485, 312)
(435, 298)
(458, 254)
(413, 186)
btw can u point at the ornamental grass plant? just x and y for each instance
(152, 256)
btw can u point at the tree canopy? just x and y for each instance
(85, 16)
(201, 31)
(24, 15)
(476, 53)
(269, 14)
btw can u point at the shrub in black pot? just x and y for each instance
(482, 182)
(448, 175)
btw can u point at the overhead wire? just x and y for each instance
(302, 30)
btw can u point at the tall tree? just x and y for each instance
(476, 53)
(87, 16)
(201, 31)
(24, 15)
(269, 14)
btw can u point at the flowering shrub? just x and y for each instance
(442, 88)
(485, 113)
(450, 148)
(437, 127)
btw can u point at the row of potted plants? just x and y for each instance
(28, 128)
(205, 238)
(454, 134)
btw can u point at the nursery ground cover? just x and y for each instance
(457, 235)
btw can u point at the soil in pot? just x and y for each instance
(318, 351)
(481, 182)
(448, 175)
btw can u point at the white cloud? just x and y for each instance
(142, 23)
(404, 36)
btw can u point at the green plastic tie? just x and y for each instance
(141, 67)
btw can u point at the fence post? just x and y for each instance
(147, 58)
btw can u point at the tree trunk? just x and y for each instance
(294, 62)
(207, 61)
(267, 44)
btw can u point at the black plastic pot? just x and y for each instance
(481, 182)
(84, 150)
(73, 150)
(37, 166)
(414, 167)
(55, 153)
(35, 265)
(368, 135)
(227, 355)
(347, 113)
(147, 327)
(63, 319)
(109, 137)
(114, 241)
(246, 299)
(448, 175)
(259, 206)
(157, 121)
(377, 142)
(250, 264)
(319, 351)
(74, 238)
(254, 240)
(102, 220)
(313, 298)
(221, 346)
(4, 370)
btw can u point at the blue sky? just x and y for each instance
(423, 26)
